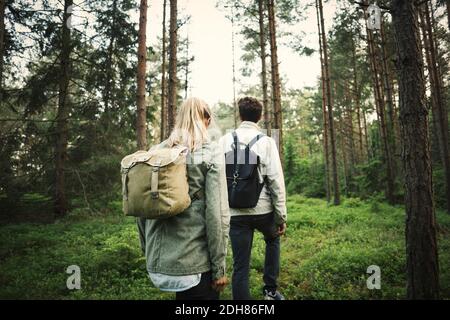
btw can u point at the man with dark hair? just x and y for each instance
(269, 215)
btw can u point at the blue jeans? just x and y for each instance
(241, 236)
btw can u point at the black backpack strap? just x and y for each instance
(236, 146)
(250, 145)
(255, 140)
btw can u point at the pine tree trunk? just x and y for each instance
(2, 44)
(388, 90)
(61, 205)
(276, 85)
(448, 13)
(262, 43)
(337, 197)
(437, 101)
(173, 80)
(379, 101)
(110, 65)
(366, 134)
(141, 76)
(324, 111)
(357, 99)
(421, 245)
(163, 134)
(186, 74)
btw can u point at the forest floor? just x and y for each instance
(325, 255)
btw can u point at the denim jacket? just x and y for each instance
(194, 241)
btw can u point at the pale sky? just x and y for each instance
(210, 37)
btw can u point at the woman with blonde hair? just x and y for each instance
(186, 253)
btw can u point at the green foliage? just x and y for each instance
(325, 255)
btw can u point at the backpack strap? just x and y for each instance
(250, 145)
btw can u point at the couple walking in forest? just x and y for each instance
(236, 188)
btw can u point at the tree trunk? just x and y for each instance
(110, 65)
(2, 44)
(357, 99)
(337, 197)
(437, 100)
(421, 245)
(186, 74)
(141, 76)
(324, 111)
(61, 205)
(173, 80)
(388, 89)
(448, 13)
(163, 78)
(276, 86)
(379, 101)
(262, 43)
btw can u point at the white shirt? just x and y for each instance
(273, 195)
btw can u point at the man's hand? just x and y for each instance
(220, 284)
(282, 229)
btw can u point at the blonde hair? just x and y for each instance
(190, 129)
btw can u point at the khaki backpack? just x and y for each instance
(154, 183)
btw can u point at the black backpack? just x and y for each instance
(243, 183)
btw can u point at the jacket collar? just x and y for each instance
(248, 125)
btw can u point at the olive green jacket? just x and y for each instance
(194, 241)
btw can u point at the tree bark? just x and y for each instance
(2, 44)
(141, 77)
(337, 197)
(276, 85)
(448, 12)
(437, 100)
(379, 101)
(61, 204)
(164, 123)
(357, 99)
(388, 90)
(421, 245)
(324, 111)
(262, 43)
(173, 80)
(110, 63)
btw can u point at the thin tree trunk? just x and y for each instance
(235, 105)
(110, 66)
(186, 75)
(448, 13)
(61, 205)
(276, 86)
(2, 44)
(324, 111)
(379, 101)
(357, 98)
(437, 101)
(163, 77)
(366, 134)
(421, 244)
(141, 76)
(337, 197)
(173, 80)
(262, 43)
(388, 89)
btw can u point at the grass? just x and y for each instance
(325, 255)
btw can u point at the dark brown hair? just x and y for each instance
(250, 109)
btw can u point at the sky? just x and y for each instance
(210, 34)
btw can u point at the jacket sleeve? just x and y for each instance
(275, 182)
(141, 230)
(217, 215)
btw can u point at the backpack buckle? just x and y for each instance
(155, 195)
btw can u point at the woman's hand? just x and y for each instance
(220, 284)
